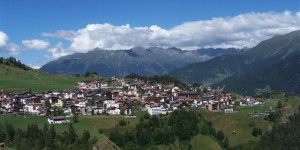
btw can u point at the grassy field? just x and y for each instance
(18, 80)
(239, 120)
(91, 123)
(204, 142)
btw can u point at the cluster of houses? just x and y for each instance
(118, 96)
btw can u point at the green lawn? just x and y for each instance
(18, 80)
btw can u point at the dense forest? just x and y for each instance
(36, 139)
(180, 126)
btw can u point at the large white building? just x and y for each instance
(157, 111)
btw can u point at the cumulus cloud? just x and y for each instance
(36, 44)
(3, 39)
(244, 30)
(6, 46)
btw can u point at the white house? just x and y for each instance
(157, 111)
(57, 120)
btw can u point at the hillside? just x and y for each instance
(138, 60)
(19, 80)
(251, 67)
(283, 76)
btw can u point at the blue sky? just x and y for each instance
(37, 32)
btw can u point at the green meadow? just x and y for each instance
(18, 80)
(239, 120)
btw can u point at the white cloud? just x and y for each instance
(3, 39)
(36, 44)
(34, 66)
(244, 30)
(6, 46)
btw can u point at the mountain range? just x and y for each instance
(273, 62)
(138, 60)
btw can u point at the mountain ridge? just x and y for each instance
(138, 60)
(232, 67)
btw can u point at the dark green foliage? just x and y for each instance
(116, 137)
(47, 104)
(208, 129)
(154, 130)
(220, 135)
(279, 104)
(11, 61)
(147, 116)
(100, 131)
(226, 143)
(273, 117)
(256, 131)
(283, 136)
(143, 137)
(36, 139)
(184, 124)
(85, 136)
(122, 123)
(75, 118)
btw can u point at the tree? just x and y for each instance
(226, 143)
(116, 137)
(75, 118)
(122, 123)
(147, 116)
(47, 104)
(256, 131)
(220, 135)
(143, 137)
(279, 104)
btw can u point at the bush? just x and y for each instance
(220, 135)
(100, 131)
(75, 118)
(122, 123)
(256, 131)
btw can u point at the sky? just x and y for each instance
(39, 31)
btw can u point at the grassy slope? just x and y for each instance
(239, 121)
(18, 80)
(204, 142)
(91, 123)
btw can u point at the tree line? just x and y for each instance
(47, 138)
(11, 61)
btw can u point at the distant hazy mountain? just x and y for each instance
(137, 60)
(261, 64)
